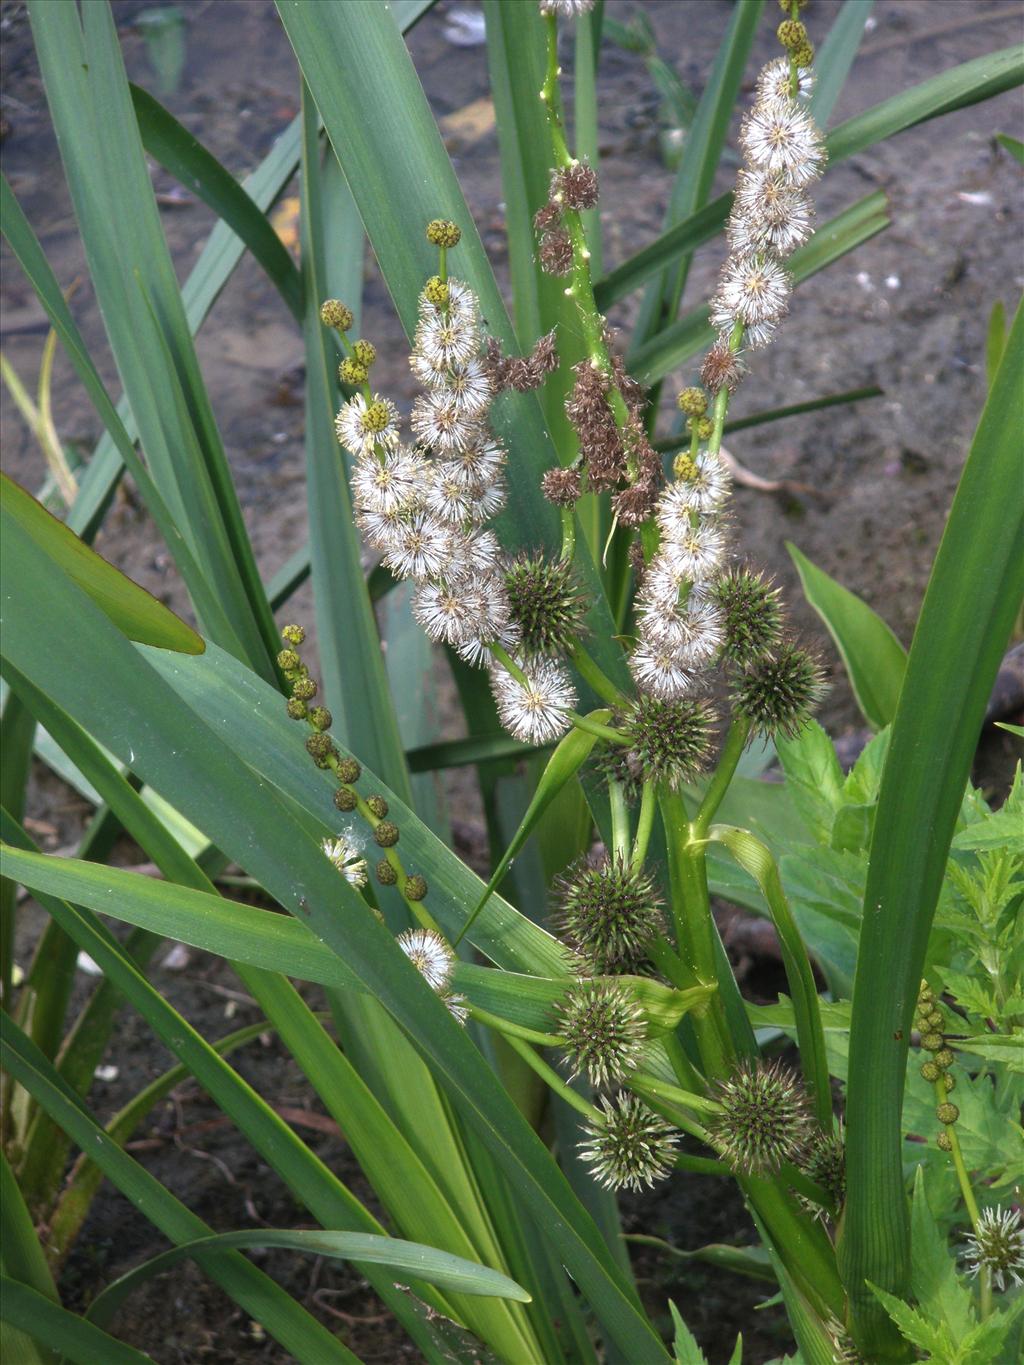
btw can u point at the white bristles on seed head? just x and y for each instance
(440, 424)
(422, 548)
(753, 289)
(430, 955)
(445, 613)
(346, 859)
(695, 552)
(469, 388)
(693, 633)
(359, 433)
(658, 670)
(397, 484)
(536, 712)
(774, 82)
(442, 340)
(779, 137)
(768, 214)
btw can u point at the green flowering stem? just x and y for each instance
(794, 78)
(644, 825)
(592, 674)
(568, 549)
(620, 820)
(672, 1103)
(442, 264)
(721, 407)
(552, 1080)
(798, 1180)
(699, 1165)
(593, 727)
(687, 1075)
(732, 751)
(966, 1190)
(510, 1030)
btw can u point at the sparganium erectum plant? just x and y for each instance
(505, 1060)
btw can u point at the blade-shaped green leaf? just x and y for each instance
(73, 1337)
(135, 612)
(181, 153)
(407, 1258)
(972, 598)
(117, 685)
(874, 658)
(833, 61)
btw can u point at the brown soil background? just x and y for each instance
(907, 311)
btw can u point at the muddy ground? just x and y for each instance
(908, 311)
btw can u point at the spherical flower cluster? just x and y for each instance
(434, 960)
(628, 1145)
(346, 859)
(997, 1246)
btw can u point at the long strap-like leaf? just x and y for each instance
(972, 598)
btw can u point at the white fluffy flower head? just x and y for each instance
(361, 425)
(346, 859)
(536, 712)
(430, 955)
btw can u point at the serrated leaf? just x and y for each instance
(813, 777)
(938, 1289)
(684, 1344)
(916, 1328)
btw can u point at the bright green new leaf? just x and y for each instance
(874, 658)
(132, 609)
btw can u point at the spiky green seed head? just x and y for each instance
(764, 1120)
(345, 799)
(415, 888)
(294, 634)
(609, 912)
(703, 426)
(304, 688)
(546, 603)
(947, 1113)
(386, 834)
(751, 615)
(791, 33)
(629, 1146)
(997, 1245)
(944, 1142)
(321, 749)
(930, 1072)
(333, 313)
(778, 692)
(288, 661)
(378, 806)
(804, 54)
(386, 874)
(349, 770)
(365, 352)
(692, 401)
(932, 1042)
(352, 373)
(297, 709)
(825, 1163)
(670, 741)
(944, 1057)
(320, 718)
(443, 232)
(435, 291)
(601, 1031)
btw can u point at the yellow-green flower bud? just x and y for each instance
(415, 888)
(365, 352)
(930, 1072)
(351, 372)
(693, 402)
(787, 5)
(320, 718)
(443, 232)
(320, 749)
(345, 799)
(304, 689)
(947, 1113)
(334, 313)
(683, 466)
(296, 709)
(378, 805)
(932, 1042)
(804, 54)
(791, 33)
(386, 834)
(944, 1057)
(288, 661)
(376, 417)
(703, 426)
(436, 292)
(293, 634)
(944, 1142)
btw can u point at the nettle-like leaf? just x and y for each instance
(940, 1292)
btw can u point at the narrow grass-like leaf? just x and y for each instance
(355, 682)
(459, 753)
(995, 340)
(135, 612)
(832, 63)
(256, 1293)
(180, 152)
(874, 658)
(844, 233)
(62, 1332)
(760, 419)
(116, 683)
(138, 293)
(407, 1258)
(756, 859)
(972, 598)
